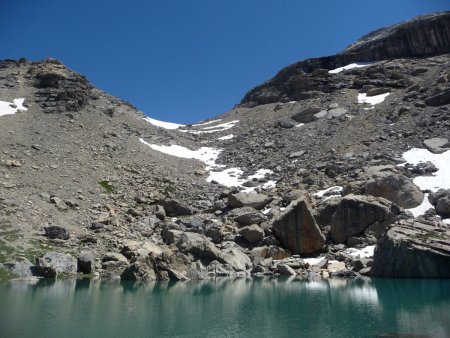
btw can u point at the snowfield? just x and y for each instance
(350, 66)
(229, 177)
(162, 124)
(439, 180)
(10, 108)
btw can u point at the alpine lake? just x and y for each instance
(247, 307)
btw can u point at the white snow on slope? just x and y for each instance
(330, 192)
(439, 180)
(230, 177)
(162, 124)
(206, 123)
(350, 66)
(6, 109)
(212, 129)
(372, 100)
(226, 137)
(366, 252)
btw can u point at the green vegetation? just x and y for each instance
(109, 189)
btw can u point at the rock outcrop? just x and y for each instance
(413, 249)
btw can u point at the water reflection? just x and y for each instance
(215, 308)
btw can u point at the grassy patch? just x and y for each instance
(6, 275)
(109, 189)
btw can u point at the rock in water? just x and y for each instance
(297, 229)
(54, 263)
(413, 250)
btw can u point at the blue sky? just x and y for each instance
(187, 60)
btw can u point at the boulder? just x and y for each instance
(238, 260)
(284, 269)
(413, 249)
(441, 201)
(54, 263)
(247, 216)
(85, 262)
(243, 199)
(140, 270)
(174, 208)
(437, 145)
(252, 233)
(21, 269)
(355, 213)
(396, 188)
(200, 247)
(439, 99)
(306, 115)
(297, 229)
(56, 232)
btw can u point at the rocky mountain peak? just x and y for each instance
(420, 37)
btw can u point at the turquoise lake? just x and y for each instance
(227, 308)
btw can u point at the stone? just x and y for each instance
(355, 213)
(437, 145)
(336, 112)
(297, 229)
(114, 257)
(396, 188)
(60, 204)
(141, 270)
(252, 233)
(284, 269)
(85, 262)
(441, 201)
(439, 99)
(296, 154)
(200, 247)
(22, 269)
(335, 266)
(53, 264)
(243, 199)
(56, 232)
(247, 216)
(238, 260)
(306, 115)
(174, 208)
(413, 250)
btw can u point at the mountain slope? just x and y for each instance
(86, 174)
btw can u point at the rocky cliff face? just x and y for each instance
(420, 37)
(278, 186)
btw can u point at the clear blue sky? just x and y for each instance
(187, 60)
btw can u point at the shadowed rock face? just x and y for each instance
(413, 250)
(423, 36)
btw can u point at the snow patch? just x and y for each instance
(162, 124)
(313, 261)
(10, 108)
(226, 137)
(330, 192)
(372, 100)
(438, 180)
(366, 252)
(350, 66)
(229, 177)
(206, 123)
(299, 125)
(212, 129)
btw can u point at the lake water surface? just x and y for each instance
(227, 308)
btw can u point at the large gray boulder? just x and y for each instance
(174, 207)
(200, 247)
(252, 233)
(396, 188)
(413, 250)
(53, 264)
(355, 213)
(441, 201)
(437, 145)
(243, 199)
(247, 216)
(297, 229)
(141, 270)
